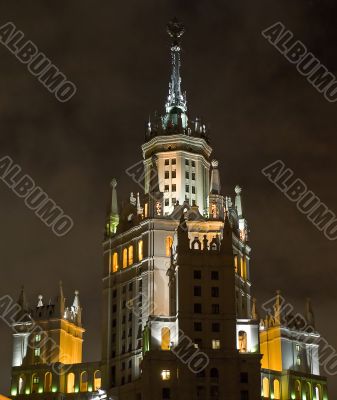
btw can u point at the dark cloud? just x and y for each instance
(259, 109)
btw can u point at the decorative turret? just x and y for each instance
(113, 216)
(60, 302)
(215, 178)
(309, 314)
(238, 202)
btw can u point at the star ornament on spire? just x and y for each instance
(175, 29)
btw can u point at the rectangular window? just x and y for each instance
(37, 338)
(174, 161)
(198, 343)
(297, 347)
(174, 174)
(165, 374)
(197, 274)
(174, 188)
(187, 188)
(167, 162)
(37, 352)
(215, 344)
(193, 176)
(215, 291)
(197, 326)
(174, 200)
(166, 394)
(187, 175)
(244, 377)
(187, 162)
(166, 188)
(298, 361)
(193, 163)
(244, 395)
(197, 308)
(197, 290)
(215, 309)
(215, 275)
(193, 189)
(215, 327)
(167, 202)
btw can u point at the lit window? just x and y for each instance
(125, 258)
(165, 338)
(146, 210)
(37, 352)
(115, 262)
(168, 245)
(37, 338)
(165, 374)
(298, 361)
(236, 263)
(297, 347)
(215, 344)
(140, 250)
(130, 255)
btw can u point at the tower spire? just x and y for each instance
(175, 98)
(113, 216)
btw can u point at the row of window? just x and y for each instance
(127, 256)
(198, 275)
(173, 161)
(174, 188)
(215, 291)
(36, 387)
(215, 308)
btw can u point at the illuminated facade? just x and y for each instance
(179, 319)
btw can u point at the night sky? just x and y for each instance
(258, 107)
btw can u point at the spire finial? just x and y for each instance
(175, 99)
(40, 302)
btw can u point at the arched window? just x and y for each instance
(298, 390)
(115, 262)
(84, 382)
(35, 383)
(236, 263)
(48, 381)
(306, 391)
(71, 382)
(244, 268)
(277, 389)
(97, 380)
(242, 342)
(165, 338)
(214, 373)
(130, 255)
(318, 392)
(168, 245)
(265, 385)
(140, 250)
(125, 258)
(21, 384)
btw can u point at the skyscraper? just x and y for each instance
(179, 319)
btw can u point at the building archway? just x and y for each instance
(277, 392)
(21, 384)
(265, 386)
(298, 390)
(71, 382)
(48, 382)
(35, 383)
(84, 381)
(97, 380)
